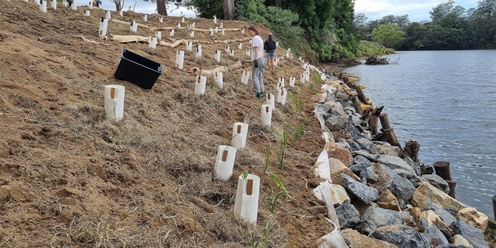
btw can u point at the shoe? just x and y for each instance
(262, 95)
(259, 95)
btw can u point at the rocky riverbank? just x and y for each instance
(381, 196)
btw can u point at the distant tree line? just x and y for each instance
(451, 27)
(319, 29)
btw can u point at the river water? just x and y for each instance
(446, 101)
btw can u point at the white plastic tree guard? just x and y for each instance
(134, 26)
(227, 49)
(215, 19)
(54, 4)
(302, 78)
(192, 34)
(216, 29)
(240, 46)
(73, 5)
(239, 135)
(269, 100)
(189, 45)
(198, 51)
(183, 20)
(180, 59)
(224, 162)
(248, 52)
(90, 5)
(178, 25)
(247, 195)
(200, 85)
(219, 81)
(245, 77)
(281, 96)
(114, 102)
(231, 53)
(221, 25)
(107, 14)
(217, 55)
(153, 43)
(158, 34)
(161, 19)
(211, 31)
(280, 83)
(223, 32)
(193, 25)
(145, 18)
(171, 33)
(266, 114)
(292, 81)
(43, 6)
(87, 12)
(242, 30)
(102, 30)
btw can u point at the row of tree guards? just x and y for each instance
(441, 168)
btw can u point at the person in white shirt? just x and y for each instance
(258, 61)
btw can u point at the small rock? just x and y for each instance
(387, 200)
(472, 234)
(459, 240)
(359, 190)
(348, 215)
(437, 182)
(435, 236)
(473, 217)
(427, 195)
(401, 235)
(375, 217)
(356, 240)
(370, 175)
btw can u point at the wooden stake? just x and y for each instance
(391, 137)
(452, 186)
(443, 169)
(373, 124)
(494, 206)
(239, 129)
(357, 105)
(361, 96)
(249, 187)
(384, 121)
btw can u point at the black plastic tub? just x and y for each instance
(138, 69)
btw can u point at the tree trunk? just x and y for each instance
(229, 9)
(278, 3)
(161, 7)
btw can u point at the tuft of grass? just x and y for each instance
(282, 148)
(274, 195)
(300, 127)
(267, 161)
(258, 244)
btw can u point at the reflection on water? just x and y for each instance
(446, 101)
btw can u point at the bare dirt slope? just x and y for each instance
(68, 177)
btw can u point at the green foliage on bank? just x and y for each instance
(369, 48)
(451, 27)
(316, 29)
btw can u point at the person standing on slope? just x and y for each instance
(270, 49)
(258, 62)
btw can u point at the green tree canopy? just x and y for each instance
(388, 35)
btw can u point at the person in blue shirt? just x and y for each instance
(270, 50)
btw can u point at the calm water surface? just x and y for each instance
(445, 100)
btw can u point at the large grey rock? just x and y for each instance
(427, 195)
(472, 234)
(415, 166)
(336, 118)
(437, 182)
(365, 144)
(395, 163)
(354, 239)
(359, 190)
(435, 236)
(402, 188)
(359, 164)
(445, 216)
(375, 217)
(417, 181)
(348, 216)
(401, 235)
(370, 175)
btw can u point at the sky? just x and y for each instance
(417, 10)
(141, 7)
